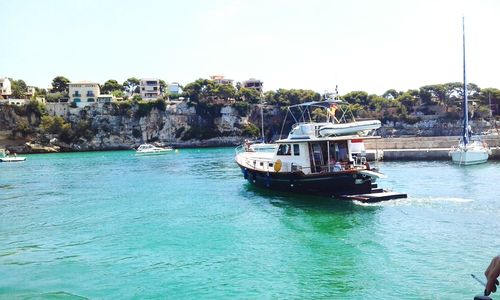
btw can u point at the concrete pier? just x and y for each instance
(421, 148)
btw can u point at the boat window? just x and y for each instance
(284, 149)
(296, 149)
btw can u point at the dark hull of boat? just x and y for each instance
(330, 184)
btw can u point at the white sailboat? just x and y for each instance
(468, 152)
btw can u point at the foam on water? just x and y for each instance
(415, 201)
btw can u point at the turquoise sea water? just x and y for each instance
(110, 225)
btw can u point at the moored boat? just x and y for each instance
(148, 149)
(468, 152)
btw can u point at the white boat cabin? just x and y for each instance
(319, 155)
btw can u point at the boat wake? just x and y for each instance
(410, 201)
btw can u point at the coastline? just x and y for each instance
(389, 148)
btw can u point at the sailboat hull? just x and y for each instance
(469, 156)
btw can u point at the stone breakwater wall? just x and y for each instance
(422, 148)
(431, 142)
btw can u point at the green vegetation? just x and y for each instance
(250, 129)
(23, 128)
(145, 107)
(132, 85)
(241, 107)
(60, 85)
(284, 97)
(19, 89)
(54, 97)
(110, 86)
(64, 130)
(208, 97)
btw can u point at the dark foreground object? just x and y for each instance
(374, 197)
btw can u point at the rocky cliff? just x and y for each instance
(127, 125)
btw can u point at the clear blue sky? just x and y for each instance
(358, 45)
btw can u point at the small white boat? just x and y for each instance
(8, 158)
(148, 149)
(12, 159)
(357, 127)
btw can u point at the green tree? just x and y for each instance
(36, 108)
(409, 99)
(391, 94)
(249, 129)
(60, 84)
(249, 95)
(356, 97)
(111, 86)
(118, 94)
(198, 90)
(163, 86)
(19, 89)
(132, 85)
(54, 97)
(53, 125)
(225, 91)
(490, 94)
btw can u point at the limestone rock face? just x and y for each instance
(126, 126)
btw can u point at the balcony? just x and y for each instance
(76, 95)
(90, 94)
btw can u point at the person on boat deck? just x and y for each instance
(492, 273)
(343, 152)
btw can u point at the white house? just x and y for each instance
(83, 93)
(221, 80)
(174, 88)
(5, 88)
(31, 90)
(253, 83)
(101, 99)
(150, 88)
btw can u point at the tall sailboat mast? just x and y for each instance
(465, 133)
(262, 117)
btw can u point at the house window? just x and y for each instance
(296, 149)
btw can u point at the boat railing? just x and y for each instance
(240, 148)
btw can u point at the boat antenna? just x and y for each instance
(465, 133)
